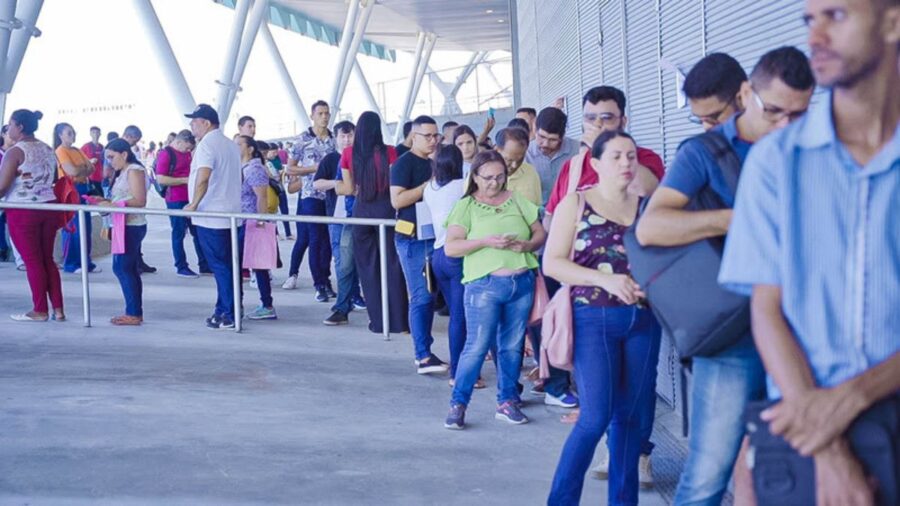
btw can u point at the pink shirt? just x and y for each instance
(177, 193)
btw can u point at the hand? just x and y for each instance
(260, 224)
(813, 419)
(190, 207)
(840, 480)
(93, 160)
(725, 219)
(519, 246)
(489, 123)
(496, 242)
(620, 286)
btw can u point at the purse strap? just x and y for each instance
(581, 203)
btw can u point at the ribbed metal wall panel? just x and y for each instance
(557, 28)
(767, 25)
(529, 62)
(642, 84)
(682, 46)
(612, 28)
(589, 29)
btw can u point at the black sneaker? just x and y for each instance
(321, 295)
(336, 318)
(217, 322)
(329, 291)
(432, 365)
(146, 269)
(456, 418)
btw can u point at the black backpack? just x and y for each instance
(160, 188)
(681, 282)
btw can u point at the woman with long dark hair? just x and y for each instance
(27, 176)
(467, 142)
(129, 189)
(254, 199)
(365, 167)
(76, 166)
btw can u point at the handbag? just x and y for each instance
(541, 299)
(65, 193)
(783, 476)
(556, 327)
(260, 247)
(681, 282)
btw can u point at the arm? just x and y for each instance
(295, 169)
(402, 197)
(345, 185)
(200, 187)
(538, 235)
(137, 186)
(171, 181)
(645, 182)
(457, 246)
(667, 223)
(9, 167)
(488, 126)
(262, 201)
(295, 184)
(324, 185)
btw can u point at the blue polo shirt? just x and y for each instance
(825, 229)
(694, 166)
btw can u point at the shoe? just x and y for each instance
(262, 313)
(145, 269)
(206, 272)
(330, 292)
(538, 390)
(359, 303)
(96, 270)
(336, 318)
(509, 412)
(566, 400)
(253, 281)
(321, 295)
(601, 470)
(444, 311)
(456, 418)
(27, 318)
(4, 255)
(432, 365)
(290, 283)
(645, 472)
(187, 273)
(217, 322)
(126, 320)
(20, 267)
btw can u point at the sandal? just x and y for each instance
(126, 320)
(478, 384)
(570, 417)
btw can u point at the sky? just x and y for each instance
(94, 54)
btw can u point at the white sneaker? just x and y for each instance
(252, 279)
(601, 470)
(290, 283)
(645, 472)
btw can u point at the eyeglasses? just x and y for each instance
(430, 137)
(499, 178)
(605, 118)
(712, 118)
(773, 113)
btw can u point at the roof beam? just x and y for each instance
(286, 80)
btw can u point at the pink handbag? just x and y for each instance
(260, 247)
(541, 299)
(556, 328)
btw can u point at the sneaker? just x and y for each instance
(336, 318)
(444, 311)
(290, 283)
(206, 272)
(509, 412)
(262, 313)
(20, 267)
(145, 269)
(97, 269)
(432, 365)
(217, 322)
(359, 303)
(187, 273)
(329, 291)
(253, 281)
(321, 295)
(645, 472)
(566, 400)
(601, 470)
(456, 418)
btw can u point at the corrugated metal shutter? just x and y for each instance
(612, 29)
(682, 46)
(642, 82)
(557, 29)
(589, 27)
(772, 23)
(529, 64)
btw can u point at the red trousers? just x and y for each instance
(33, 233)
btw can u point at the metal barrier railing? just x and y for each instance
(233, 218)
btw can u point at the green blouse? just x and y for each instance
(516, 215)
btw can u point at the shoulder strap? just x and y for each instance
(576, 163)
(578, 215)
(172, 160)
(724, 155)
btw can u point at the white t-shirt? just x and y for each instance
(223, 193)
(440, 202)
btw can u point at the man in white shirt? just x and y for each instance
(215, 186)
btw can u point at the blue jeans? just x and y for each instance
(4, 245)
(344, 267)
(497, 309)
(180, 227)
(449, 274)
(216, 246)
(263, 282)
(613, 358)
(413, 256)
(721, 388)
(127, 267)
(71, 240)
(315, 237)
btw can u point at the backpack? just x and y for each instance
(681, 282)
(65, 193)
(273, 196)
(160, 188)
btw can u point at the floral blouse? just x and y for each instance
(599, 244)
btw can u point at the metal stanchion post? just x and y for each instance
(236, 275)
(85, 266)
(382, 253)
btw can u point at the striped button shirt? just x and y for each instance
(813, 221)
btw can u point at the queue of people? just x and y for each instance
(485, 228)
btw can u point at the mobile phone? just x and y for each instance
(491, 112)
